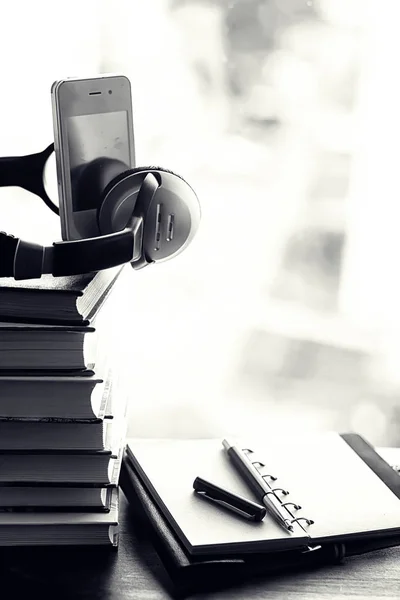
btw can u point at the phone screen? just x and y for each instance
(92, 139)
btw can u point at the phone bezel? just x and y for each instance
(71, 97)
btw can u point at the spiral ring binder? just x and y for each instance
(272, 477)
(259, 464)
(295, 506)
(308, 521)
(284, 492)
(289, 509)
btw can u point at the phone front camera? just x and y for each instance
(110, 91)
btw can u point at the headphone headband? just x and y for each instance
(27, 260)
(28, 172)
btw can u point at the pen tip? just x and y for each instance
(226, 444)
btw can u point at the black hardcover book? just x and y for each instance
(53, 434)
(78, 395)
(61, 528)
(56, 434)
(42, 498)
(63, 468)
(31, 347)
(73, 300)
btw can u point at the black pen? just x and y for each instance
(259, 486)
(226, 499)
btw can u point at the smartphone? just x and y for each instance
(93, 142)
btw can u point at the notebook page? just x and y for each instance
(332, 484)
(169, 467)
(391, 455)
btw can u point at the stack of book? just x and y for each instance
(62, 417)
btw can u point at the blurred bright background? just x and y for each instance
(283, 115)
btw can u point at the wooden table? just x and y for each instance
(134, 572)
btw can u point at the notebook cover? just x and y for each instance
(380, 467)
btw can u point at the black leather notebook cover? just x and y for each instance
(375, 462)
(191, 574)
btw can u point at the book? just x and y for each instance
(73, 300)
(352, 494)
(59, 480)
(48, 433)
(75, 435)
(58, 528)
(30, 347)
(45, 498)
(24, 466)
(77, 396)
(21, 434)
(68, 468)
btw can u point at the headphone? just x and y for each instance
(145, 215)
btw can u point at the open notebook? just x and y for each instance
(347, 489)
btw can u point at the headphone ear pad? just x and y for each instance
(110, 202)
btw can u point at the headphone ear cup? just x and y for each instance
(115, 194)
(164, 201)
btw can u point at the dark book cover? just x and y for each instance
(73, 300)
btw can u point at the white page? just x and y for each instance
(332, 484)
(171, 466)
(391, 455)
